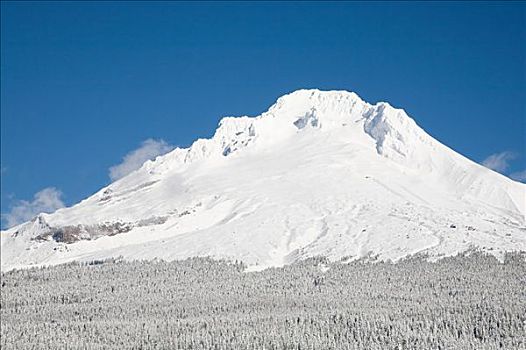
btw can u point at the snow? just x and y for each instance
(319, 173)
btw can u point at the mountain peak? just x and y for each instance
(385, 130)
(303, 101)
(316, 96)
(394, 133)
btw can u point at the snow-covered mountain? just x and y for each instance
(319, 173)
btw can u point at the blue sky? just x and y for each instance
(84, 84)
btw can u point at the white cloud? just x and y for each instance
(45, 201)
(519, 176)
(499, 161)
(149, 149)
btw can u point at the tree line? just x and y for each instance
(462, 302)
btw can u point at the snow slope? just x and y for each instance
(319, 173)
